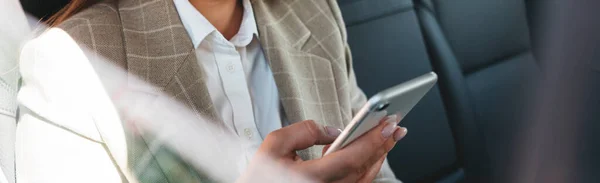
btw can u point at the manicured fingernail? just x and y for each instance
(388, 130)
(400, 134)
(399, 117)
(332, 131)
(392, 119)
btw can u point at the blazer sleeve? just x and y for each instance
(358, 98)
(56, 137)
(13, 31)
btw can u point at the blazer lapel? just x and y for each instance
(306, 83)
(272, 36)
(160, 53)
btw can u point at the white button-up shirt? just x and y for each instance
(238, 77)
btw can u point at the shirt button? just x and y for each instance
(230, 68)
(248, 133)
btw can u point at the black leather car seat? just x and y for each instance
(388, 49)
(482, 52)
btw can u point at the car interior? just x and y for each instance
(486, 55)
(447, 37)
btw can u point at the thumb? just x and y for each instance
(298, 136)
(325, 149)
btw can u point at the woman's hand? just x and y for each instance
(360, 161)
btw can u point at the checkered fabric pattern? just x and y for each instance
(303, 40)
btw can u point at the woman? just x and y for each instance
(259, 86)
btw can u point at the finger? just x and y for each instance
(391, 118)
(298, 136)
(349, 178)
(311, 168)
(381, 153)
(400, 133)
(399, 117)
(373, 171)
(365, 177)
(372, 143)
(356, 157)
(325, 149)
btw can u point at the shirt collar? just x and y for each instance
(198, 27)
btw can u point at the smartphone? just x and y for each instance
(399, 99)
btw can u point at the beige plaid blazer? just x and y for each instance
(304, 42)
